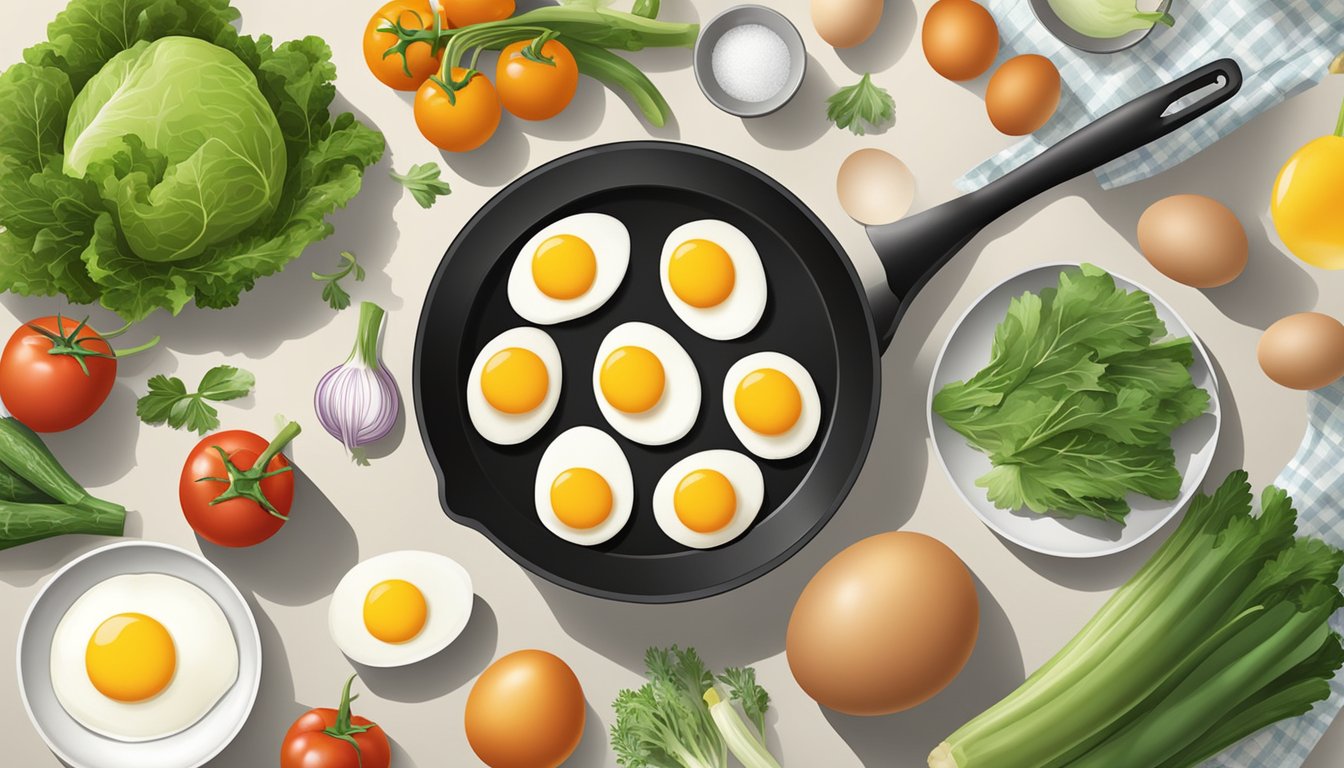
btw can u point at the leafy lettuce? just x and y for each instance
(1079, 400)
(151, 156)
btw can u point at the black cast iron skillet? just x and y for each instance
(817, 312)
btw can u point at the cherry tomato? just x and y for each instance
(55, 372)
(332, 738)
(462, 122)
(420, 57)
(464, 13)
(536, 85)
(227, 498)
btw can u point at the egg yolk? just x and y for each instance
(701, 273)
(130, 657)
(768, 402)
(632, 379)
(581, 498)
(394, 611)
(564, 267)
(704, 501)
(514, 380)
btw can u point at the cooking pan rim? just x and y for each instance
(846, 484)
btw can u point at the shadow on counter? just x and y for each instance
(316, 535)
(906, 738)
(445, 671)
(260, 740)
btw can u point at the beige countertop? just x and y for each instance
(1031, 604)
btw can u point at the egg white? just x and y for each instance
(591, 449)
(207, 656)
(673, 416)
(513, 428)
(610, 241)
(742, 310)
(748, 485)
(447, 590)
(801, 434)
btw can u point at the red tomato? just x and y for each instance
(536, 85)
(55, 373)
(243, 495)
(331, 738)
(420, 57)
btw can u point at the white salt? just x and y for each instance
(751, 63)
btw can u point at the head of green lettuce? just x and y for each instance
(150, 156)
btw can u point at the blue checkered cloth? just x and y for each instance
(1283, 47)
(1315, 480)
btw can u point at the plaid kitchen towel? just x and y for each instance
(1283, 47)
(1315, 480)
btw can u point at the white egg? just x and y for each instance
(712, 528)
(504, 427)
(647, 414)
(399, 608)
(698, 296)
(768, 444)
(584, 448)
(570, 268)
(110, 690)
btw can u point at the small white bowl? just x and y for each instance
(966, 351)
(737, 16)
(82, 748)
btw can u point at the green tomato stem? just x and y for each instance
(344, 729)
(246, 483)
(120, 353)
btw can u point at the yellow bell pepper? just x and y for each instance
(1308, 202)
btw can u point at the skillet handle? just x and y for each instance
(1134, 125)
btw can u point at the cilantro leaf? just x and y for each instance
(742, 687)
(853, 106)
(423, 182)
(332, 291)
(169, 402)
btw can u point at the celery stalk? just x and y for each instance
(747, 748)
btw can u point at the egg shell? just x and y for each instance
(526, 710)
(874, 186)
(884, 625)
(1194, 240)
(846, 23)
(1303, 351)
(1023, 94)
(960, 39)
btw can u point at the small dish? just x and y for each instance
(1075, 39)
(737, 16)
(82, 748)
(966, 352)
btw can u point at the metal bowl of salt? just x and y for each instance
(749, 60)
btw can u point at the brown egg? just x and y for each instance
(1194, 240)
(1022, 94)
(846, 23)
(883, 626)
(526, 710)
(1303, 351)
(960, 39)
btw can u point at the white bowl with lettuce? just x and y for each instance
(1092, 407)
(1102, 26)
(154, 157)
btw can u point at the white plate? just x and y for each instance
(82, 748)
(967, 351)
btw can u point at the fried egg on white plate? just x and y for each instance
(570, 268)
(772, 405)
(584, 488)
(646, 384)
(713, 278)
(709, 498)
(399, 608)
(140, 657)
(514, 385)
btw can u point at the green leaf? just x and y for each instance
(859, 105)
(332, 292)
(169, 402)
(742, 687)
(423, 182)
